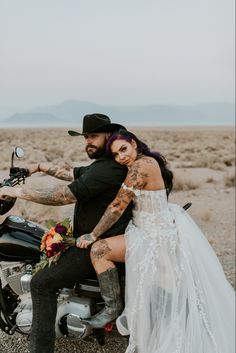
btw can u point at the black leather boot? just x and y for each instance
(110, 291)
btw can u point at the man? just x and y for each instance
(92, 189)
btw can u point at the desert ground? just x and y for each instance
(203, 162)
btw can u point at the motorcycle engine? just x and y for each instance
(17, 275)
(69, 312)
(70, 309)
(24, 314)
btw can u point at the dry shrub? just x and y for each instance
(172, 156)
(5, 165)
(205, 215)
(229, 161)
(210, 180)
(53, 153)
(82, 159)
(190, 158)
(230, 180)
(180, 184)
(211, 161)
(217, 166)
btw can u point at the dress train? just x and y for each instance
(177, 297)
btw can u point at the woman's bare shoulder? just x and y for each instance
(143, 163)
(143, 173)
(148, 160)
(147, 166)
(146, 163)
(142, 167)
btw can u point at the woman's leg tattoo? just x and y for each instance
(99, 250)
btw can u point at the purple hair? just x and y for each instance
(128, 136)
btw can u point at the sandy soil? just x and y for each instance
(202, 159)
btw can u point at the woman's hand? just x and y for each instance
(85, 240)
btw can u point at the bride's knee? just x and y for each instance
(99, 250)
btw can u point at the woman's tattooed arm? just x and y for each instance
(135, 179)
(113, 212)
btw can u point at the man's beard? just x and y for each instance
(96, 153)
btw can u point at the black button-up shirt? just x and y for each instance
(95, 186)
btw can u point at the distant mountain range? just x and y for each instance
(71, 112)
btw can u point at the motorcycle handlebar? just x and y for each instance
(17, 176)
(16, 172)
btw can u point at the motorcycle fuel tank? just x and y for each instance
(20, 239)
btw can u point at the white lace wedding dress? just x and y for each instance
(177, 297)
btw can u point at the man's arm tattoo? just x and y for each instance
(54, 196)
(63, 173)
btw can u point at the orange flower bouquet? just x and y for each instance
(54, 242)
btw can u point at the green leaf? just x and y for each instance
(66, 222)
(40, 265)
(52, 259)
(50, 223)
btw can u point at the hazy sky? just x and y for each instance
(116, 52)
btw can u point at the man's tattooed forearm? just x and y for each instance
(54, 196)
(63, 173)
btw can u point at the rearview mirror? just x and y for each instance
(19, 152)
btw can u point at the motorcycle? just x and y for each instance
(19, 253)
(20, 241)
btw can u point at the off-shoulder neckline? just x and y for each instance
(131, 188)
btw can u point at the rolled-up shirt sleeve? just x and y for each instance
(78, 171)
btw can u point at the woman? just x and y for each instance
(177, 297)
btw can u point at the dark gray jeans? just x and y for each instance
(73, 266)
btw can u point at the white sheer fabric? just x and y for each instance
(177, 297)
